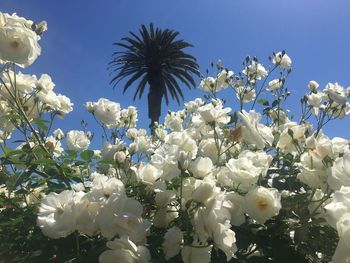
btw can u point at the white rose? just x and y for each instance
(339, 174)
(201, 167)
(56, 216)
(208, 84)
(77, 140)
(148, 173)
(18, 44)
(223, 79)
(107, 112)
(65, 105)
(164, 216)
(312, 85)
(245, 94)
(236, 211)
(109, 150)
(254, 132)
(173, 239)
(124, 250)
(255, 71)
(243, 172)
(336, 93)
(274, 85)
(283, 61)
(205, 190)
(263, 203)
(208, 148)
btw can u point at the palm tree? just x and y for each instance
(156, 58)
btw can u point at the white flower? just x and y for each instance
(255, 71)
(148, 174)
(165, 158)
(86, 212)
(192, 106)
(263, 203)
(339, 205)
(312, 85)
(173, 239)
(339, 145)
(274, 85)
(204, 190)
(208, 148)
(109, 150)
(336, 93)
(56, 216)
(245, 94)
(164, 216)
(54, 146)
(201, 167)
(214, 112)
(58, 133)
(185, 142)
(225, 239)
(224, 79)
(45, 83)
(283, 60)
(25, 83)
(243, 172)
(339, 174)
(124, 250)
(208, 84)
(173, 121)
(65, 105)
(77, 140)
(196, 254)
(18, 43)
(236, 210)
(254, 132)
(291, 134)
(121, 215)
(107, 112)
(314, 100)
(163, 198)
(104, 187)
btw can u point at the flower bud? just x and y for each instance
(41, 28)
(58, 134)
(184, 160)
(120, 157)
(89, 106)
(313, 85)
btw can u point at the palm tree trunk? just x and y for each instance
(155, 97)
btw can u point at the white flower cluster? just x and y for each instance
(105, 209)
(203, 171)
(110, 114)
(333, 100)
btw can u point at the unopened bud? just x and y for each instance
(184, 160)
(120, 157)
(41, 28)
(89, 106)
(58, 134)
(313, 85)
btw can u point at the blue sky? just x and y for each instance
(78, 44)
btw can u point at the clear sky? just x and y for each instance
(78, 44)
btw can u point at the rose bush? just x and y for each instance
(212, 184)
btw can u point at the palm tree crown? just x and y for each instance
(156, 58)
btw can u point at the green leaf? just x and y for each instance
(43, 161)
(71, 154)
(87, 155)
(263, 102)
